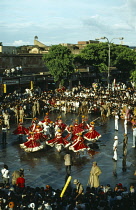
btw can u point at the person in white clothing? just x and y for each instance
(116, 121)
(46, 129)
(21, 114)
(115, 144)
(38, 106)
(134, 135)
(5, 174)
(6, 118)
(67, 159)
(125, 124)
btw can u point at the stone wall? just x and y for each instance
(30, 63)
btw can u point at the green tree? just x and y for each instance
(133, 77)
(59, 61)
(125, 59)
(121, 57)
(96, 55)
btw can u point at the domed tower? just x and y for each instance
(36, 37)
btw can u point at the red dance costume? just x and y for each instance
(20, 130)
(46, 119)
(58, 142)
(32, 127)
(77, 129)
(79, 145)
(38, 134)
(83, 125)
(92, 134)
(31, 145)
(70, 136)
(60, 125)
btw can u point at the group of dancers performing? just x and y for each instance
(76, 137)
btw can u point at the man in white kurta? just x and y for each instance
(125, 124)
(116, 121)
(134, 135)
(6, 117)
(115, 144)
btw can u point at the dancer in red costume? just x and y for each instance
(20, 130)
(69, 130)
(92, 134)
(46, 118)
(33, 125)
(59, 125)
(31, 145)
(83, 124)
(72, 134)
(76, 129)
(78, 145)
(38, 134)
(58, 141)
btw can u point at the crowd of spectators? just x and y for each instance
(41, 198)
(17, 71)
(79, 100)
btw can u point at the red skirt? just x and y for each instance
(58, 141)
(21, 130)
(79, 146)
(40, 136)
(91, 136)
(31, 146)
(77, 130)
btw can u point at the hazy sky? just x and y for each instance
(66, 21)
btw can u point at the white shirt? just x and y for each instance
(5, 173)
(46, 129)
(134, 131)
(115, 144)
(116, 117)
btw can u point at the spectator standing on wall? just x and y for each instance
(17, 70)
(20, 70)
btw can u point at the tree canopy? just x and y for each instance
(95, 55)
(121, 57)
(133, 77)
(59, 61)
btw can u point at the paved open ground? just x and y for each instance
(47, 166)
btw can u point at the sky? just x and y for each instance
(67, 21)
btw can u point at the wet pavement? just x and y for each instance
(47, 166)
